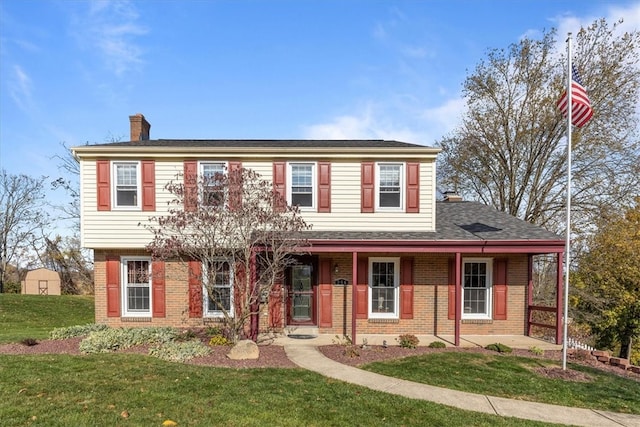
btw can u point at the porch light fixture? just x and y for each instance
(336, 270)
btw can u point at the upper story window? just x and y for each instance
(218, 296)
(476, 288)
(136, 284)
(301, 190)
(127, 184)
(384, 280)
(389, 186)
(212, 191)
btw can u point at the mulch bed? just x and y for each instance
(273, 356)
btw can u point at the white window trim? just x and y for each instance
(402, 187)
(205, 293)
(489, 303)
(123, 288)
(201, 163)
(114, 185)
(396, 280)
(314, 182)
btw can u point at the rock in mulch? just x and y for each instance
(244, 349)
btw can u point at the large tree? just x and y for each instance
(510, 149)
(608, 280)
(23, 219)
(235, 225)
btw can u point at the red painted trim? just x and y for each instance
(235, 193)
(190, 185)
(103, 179)
(406, 288)
(500, 289)
(559, 298)
(280, 182)
(362, 289)
(367, 192)
(195, 289)
(113, 286)
(354, 307)
(158, 289)
(275, 307)
(458, 292)
(325, 289)
(451, 301)
(413, 188)
(324, 187)
(148, 185)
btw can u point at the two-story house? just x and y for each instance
(385, 258)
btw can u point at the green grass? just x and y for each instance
(513, 377)
(34, 316)
(64, 390)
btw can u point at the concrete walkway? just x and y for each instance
(304, 353)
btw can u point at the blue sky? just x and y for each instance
(73, 71)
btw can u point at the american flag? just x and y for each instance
(581, 110)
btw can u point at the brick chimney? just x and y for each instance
(140, 128)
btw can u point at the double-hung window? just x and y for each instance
(127, 185)
(218, 289)
(384, 278)
(212, 189)
(476, 288)
(136, 284)
(389, 186)
(301, 190)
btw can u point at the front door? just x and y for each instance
(301, 298)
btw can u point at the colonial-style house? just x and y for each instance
(386, 256)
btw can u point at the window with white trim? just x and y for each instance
(384, 280)
(212, 191)
(136, 286)
(302, 184)
(476, 288)
(218, 289)
(126, 182)
(389, 186)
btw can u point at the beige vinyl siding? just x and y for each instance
(121, 229)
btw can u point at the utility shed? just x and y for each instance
(41, 281)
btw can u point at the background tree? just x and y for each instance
(510, 150)
(65, 256)
(236, 217)
(608, 280)
(23, 219)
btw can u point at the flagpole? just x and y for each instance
(568, 231)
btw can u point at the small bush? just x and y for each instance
(187, 335)
(219, 340)
(110, 340)
(345, 340)
(351, 351)
(75, 331)
(437, 344)
(29, 342)
(179, 351)
(408, 341)
(500, 348)
(536, 350)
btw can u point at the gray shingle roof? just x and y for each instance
(261, 143)
(456, 221)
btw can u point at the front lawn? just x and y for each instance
(127, 389)
(515, 377)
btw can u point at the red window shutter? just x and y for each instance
(190, 185)
(235, 194)
(148, 185)
(195, 289)
(325, 290)
(452, 290)
(362, 289)
(113, 286)
(413, 187)
(158, 290)
(500, 289)
(367, 181)
(103, 178)
(324, 187)
(275, 306)
(406, 288)
(280, 182)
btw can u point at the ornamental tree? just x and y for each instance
(240, 230)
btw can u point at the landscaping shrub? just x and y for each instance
(536, 350)
(500, 348)
(219, 340)
(75, 331)
(115, 339)
(437, 344)
(29, 342)
(408, 341)
(179, 351)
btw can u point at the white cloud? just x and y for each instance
(112, 27)
(20, 89)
